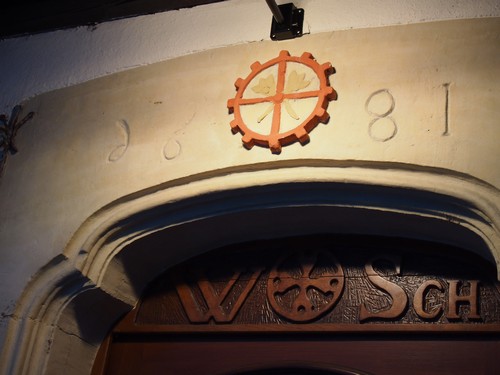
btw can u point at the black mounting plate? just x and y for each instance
(291, 27)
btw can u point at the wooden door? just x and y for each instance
(315, 305)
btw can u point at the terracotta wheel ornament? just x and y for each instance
(289, 88)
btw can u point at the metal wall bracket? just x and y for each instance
(291, 25)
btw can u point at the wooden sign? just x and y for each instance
(326, 284)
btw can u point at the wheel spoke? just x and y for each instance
(302, 95)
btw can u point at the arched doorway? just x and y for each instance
(68, 308)
(316, 304)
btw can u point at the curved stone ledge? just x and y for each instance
(109, 261)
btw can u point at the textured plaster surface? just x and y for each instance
(36, 64)
(425, 95)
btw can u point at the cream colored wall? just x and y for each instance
(166, 126)
(40, 63)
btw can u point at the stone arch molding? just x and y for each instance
(67, 309)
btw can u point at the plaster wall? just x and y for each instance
(36, 64)
(163, 130)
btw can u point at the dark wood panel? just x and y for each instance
(324, 283)
(35, 16)
(374, 357)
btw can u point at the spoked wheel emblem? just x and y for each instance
(288, 97)
(305, 285)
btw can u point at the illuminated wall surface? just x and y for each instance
(417, 110)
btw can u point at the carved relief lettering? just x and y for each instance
(212, 305)
(345, 290)
(423, 305)
(457, 298)
(397, 294)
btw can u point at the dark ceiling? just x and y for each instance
(24, 17)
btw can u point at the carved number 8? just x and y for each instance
(380, 104)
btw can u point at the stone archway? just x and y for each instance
(58, 330)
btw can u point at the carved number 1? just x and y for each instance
(446, 107)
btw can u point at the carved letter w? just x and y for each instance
(211, 305)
